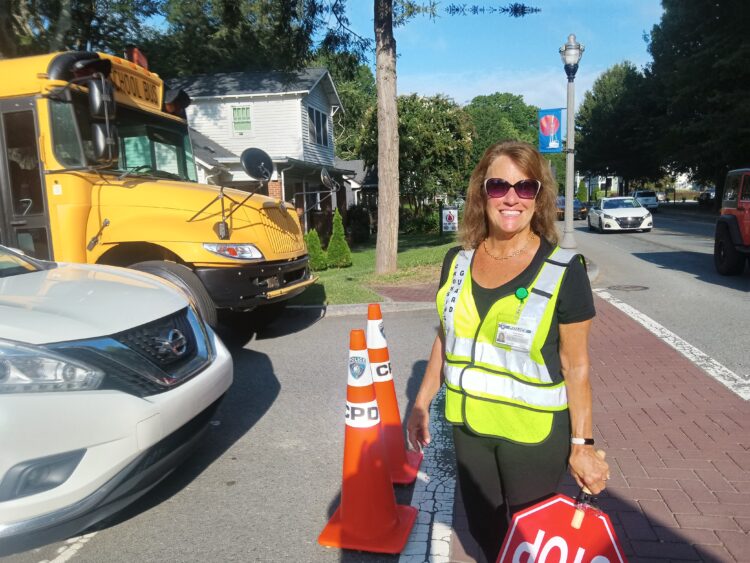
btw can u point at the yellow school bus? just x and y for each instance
(93, 169)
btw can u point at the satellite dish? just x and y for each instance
(257, 164)
(326, 179)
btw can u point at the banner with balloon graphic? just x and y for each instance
(549, 130)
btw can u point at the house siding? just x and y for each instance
(274, 124)
(314, 152)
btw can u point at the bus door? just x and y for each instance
(23, 209)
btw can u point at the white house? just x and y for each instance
(286, 114)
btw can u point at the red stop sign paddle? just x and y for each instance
(543, 534)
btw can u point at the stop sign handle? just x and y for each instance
(585, 500)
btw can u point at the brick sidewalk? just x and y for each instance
(677, 441)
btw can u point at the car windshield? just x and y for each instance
(12, 264)
(646, 194)
(620, 204)
(150, 145)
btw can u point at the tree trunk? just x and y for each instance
(385, 56)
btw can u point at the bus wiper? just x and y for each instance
(134, 170)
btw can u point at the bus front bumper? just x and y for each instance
(254, 285)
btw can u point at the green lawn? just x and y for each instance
(419, 261)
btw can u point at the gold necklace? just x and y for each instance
(512, 254)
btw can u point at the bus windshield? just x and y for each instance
(149, 144)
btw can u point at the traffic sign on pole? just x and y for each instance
(543, 534)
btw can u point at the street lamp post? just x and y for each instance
(570, 53)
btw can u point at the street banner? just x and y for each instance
(450, 219)
(549, 121)
(544, 532)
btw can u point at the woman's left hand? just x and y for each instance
(588, 469)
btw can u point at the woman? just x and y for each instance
(512, 349)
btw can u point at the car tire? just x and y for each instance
(591, 228)
(185, 278)
(728, 261)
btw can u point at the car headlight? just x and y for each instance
(33, 369)
(605, 216)
(237, 251)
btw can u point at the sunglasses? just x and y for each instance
(497, 187)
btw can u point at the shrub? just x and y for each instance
(582, 194)
(426, 223)
(358, 223)
(339, 255)
(318, 259)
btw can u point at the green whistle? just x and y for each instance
(522, 293)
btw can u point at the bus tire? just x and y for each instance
(185, 278)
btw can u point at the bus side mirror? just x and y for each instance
(105, 142)
(101, 98)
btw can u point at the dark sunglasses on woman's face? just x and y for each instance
(526, 189)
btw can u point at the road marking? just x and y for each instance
(67, 552)
(734, 382)
(430, 539)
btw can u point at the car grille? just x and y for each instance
(629, 222)
(148, 359)
(168, 342)
(282, 231)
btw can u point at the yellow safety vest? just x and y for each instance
(496, 379)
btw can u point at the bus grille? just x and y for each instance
(282, 231)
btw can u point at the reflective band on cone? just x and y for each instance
(403, 464)
(368, 518)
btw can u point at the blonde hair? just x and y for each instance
(474, 228)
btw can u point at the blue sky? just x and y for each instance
(466, 56)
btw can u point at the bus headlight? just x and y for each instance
(236, 251)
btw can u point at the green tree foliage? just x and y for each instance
(499, 117)
(31, 27)
(615, 135)
(339, 254)
(318, 259)
(434, 150)
(232, 35)
(700, 68)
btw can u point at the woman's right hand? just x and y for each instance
(418, 428)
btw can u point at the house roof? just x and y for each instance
(207, 150)
(365, 176)
(260, 83)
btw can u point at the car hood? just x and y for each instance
(76, 301)
(626, 212)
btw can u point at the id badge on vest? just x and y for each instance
(519, 335)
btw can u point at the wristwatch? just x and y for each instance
(582, 441)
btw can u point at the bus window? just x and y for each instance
(23, 163)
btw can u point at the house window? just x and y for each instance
(241, 120)
(317, 125)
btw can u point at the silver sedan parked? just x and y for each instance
(619, 214)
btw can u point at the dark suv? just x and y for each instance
(732, 236)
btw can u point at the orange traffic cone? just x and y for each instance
(368, 518)
(403, 464)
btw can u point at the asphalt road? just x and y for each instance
(668, 274)
(268, 475)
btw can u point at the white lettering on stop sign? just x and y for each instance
(556, 549)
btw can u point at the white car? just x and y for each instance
(648, 199)
(108, 377)
(619, 214)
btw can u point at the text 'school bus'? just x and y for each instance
(93, 170)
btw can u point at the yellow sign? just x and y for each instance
(137, 85)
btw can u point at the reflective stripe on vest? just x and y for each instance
(487, 385)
